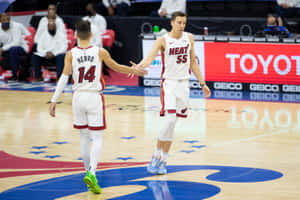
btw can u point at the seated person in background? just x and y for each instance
(98, 24)
(13, 44)
(43, 24)
(52, 46)
(168, 7)
(288, 8)
(95, 18)
(275, 27)
(114, 7)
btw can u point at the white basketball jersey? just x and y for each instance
(176, 58)
(87, 69)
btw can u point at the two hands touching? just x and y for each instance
(140, 68)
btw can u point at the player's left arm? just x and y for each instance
(111, 63)
(196, 69)
(63, 80)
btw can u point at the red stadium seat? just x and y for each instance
(30, 41)
(108, 38)
(31, 30)
(71, 38)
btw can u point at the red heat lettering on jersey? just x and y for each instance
(178, 50)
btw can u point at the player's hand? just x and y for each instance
(206, 91)
(52, 109)
(131, 75)
(139, 71)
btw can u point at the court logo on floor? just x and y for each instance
(131, 177)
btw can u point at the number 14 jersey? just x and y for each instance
(176, 58)
(87, 69)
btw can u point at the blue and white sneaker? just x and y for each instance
(153, 166)
(162, 169)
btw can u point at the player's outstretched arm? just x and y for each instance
(196, 69)
(157, 46)
(111, 63)
(63, 80)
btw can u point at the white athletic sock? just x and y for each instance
(164, 156)
(85, 147)
(157, 153)
(96, 149)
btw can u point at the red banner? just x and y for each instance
(252, 62)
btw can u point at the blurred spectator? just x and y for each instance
(114, 7)
(43, 24)
(51, 47)
(98, 24)
(288, 8)
(13, 44)
(167, 7)
(95, 18)
(275, 27)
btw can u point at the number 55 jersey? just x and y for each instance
(176, 58)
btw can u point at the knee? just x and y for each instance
(171, 118)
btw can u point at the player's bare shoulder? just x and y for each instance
(161, 42)
(191, 37)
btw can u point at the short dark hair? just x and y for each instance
(83, 29)
(177, 14)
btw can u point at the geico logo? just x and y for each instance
(264, 96)
(291, 88)
(194, 84)
(291, 97)
(251, 118)
(282, 64)
(196, 93)
(228, 86)
(151, 82)
(228, 95)
(152, 91)
(264, 87)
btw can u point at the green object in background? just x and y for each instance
(155, 29)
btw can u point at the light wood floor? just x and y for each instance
(235, 133)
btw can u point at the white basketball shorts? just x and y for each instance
(88, 110)
(175, 97)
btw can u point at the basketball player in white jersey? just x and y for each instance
(85, 64)
(178, 57)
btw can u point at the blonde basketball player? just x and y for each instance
(178, 57)
(85, 64)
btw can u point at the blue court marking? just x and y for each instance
(128, 138)
(36, 152)
(124, 158)
(39, 147)
(60, 143)
(187, 151)
(52, 157)
(70, 185)
(191, 141)
(155, 92)
(198, 146)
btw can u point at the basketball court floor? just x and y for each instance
(229, 148)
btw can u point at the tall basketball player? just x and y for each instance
(178, 57)
(85, 64)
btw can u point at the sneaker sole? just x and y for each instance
(88, 181)
(151, 171)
